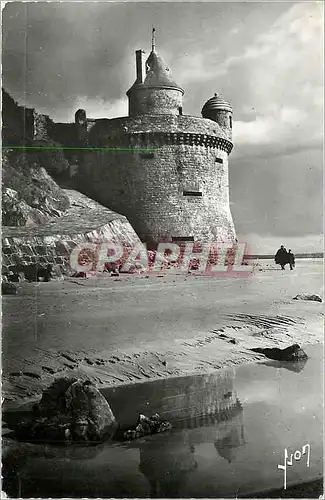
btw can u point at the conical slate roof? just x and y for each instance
(158, 74)
(215, 103)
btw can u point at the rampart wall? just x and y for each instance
(168, 175)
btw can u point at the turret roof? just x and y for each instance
(158, 74)
(216, 102)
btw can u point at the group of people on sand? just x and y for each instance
(283, 257)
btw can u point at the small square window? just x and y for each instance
(182, 238)
(192, 193)
(219, 160)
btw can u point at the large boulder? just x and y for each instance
(91, 413)
(70, 410)
(291, 353)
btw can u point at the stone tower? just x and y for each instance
(165, 171)
(154, 91)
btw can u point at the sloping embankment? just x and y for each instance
(52, 242)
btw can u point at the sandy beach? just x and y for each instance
(134, 328)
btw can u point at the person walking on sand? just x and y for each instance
(291, 259)
(281, 257)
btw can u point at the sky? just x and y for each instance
(266, 58)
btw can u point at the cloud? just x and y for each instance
(285, 89)
(289, 130)
(267, 129)
(197, 67)
(275, 83)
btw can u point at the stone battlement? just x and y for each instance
(159, 139)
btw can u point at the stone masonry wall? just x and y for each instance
(147, 187)
(146, 180)
(42, 124)
(52, 243)
(144, 100)
(103, 132)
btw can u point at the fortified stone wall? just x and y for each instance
(17, 122)
(64, 134)
(22, 124)
(154, 101)
(225, 120)
(42, 126)
(172, 182)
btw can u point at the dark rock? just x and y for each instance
(306, 296)
(148, 425)
(93, 415)
(79, 275)
(70, 411)
(53, 400)
(8, 288)
(291, 353)
(38, 272)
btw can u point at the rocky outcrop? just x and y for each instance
(305, 296)
(70, 411)
(291, 353)
(29, 195)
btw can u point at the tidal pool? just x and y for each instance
(230, 432)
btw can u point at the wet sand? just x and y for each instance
(132, 329)
(229, 431)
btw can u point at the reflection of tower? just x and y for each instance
(208, 411)
(227, 445)
(167, 465)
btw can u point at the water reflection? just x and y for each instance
(206, 454)
(228, 445)
(175, 399)
(203, 409)
(168, 465)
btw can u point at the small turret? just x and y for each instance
(220, 111)
(80, 119)
(155, 93)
